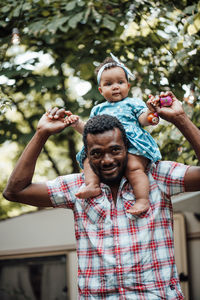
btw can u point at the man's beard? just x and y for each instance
(112, 181)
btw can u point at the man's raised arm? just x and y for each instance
(20, 187)
(176, 115)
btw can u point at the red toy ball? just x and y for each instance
(153, 118)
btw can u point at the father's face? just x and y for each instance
(107, 155)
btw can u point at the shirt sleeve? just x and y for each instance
(170, 177)
(94, 111)
(139, 106)
(62, 190)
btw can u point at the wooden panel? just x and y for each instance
(181, 252)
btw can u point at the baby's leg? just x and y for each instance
(137, 177)
(92, 183)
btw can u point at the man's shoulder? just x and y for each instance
(166, 168)
(74, 179)
(161, 164)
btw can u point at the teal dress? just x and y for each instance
(128, 111)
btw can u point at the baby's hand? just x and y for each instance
(63, 115)
(71, 120)
(153, 103)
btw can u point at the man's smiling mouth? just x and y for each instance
(109, 170)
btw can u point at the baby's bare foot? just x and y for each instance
(88, 191)
(139, 207)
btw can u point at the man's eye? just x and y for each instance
(116, 151)
(96, 154)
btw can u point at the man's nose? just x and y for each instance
(107, 159)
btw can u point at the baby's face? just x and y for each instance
(114, 85)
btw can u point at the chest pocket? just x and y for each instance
(95, 210)
(128, 202)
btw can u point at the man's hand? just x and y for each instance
(55, 120)
(168, 113)
(153, 102)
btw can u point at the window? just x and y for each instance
(35, 278)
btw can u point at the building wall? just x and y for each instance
(188, 204)
(39, 231)
(193, 249)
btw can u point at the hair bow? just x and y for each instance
(118, 63)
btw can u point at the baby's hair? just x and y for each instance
(111, 64)
(107, 60)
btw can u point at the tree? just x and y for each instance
(158, 42)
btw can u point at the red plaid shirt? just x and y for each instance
(121, 256)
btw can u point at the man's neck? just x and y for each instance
(114, 190)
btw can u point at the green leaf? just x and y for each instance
(189, 9)
(71, 5)
(3, 24)
(16, 11)
(81, 3)
(27, 6)
(5, 8)
(109, 24)
(96, 15)
(37, 27)
(57, 23)
(75, 20)
(64, 28)
(197, 21)
(87, 13)
(192, 29)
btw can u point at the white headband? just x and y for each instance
(110, 64)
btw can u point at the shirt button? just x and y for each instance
(119, 267)
(172, 287)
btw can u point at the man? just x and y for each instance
(119, 256)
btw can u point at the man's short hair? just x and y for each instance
(100, 124)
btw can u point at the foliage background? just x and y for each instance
(66, 40)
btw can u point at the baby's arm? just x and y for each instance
(144, 117)
(75, 122)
